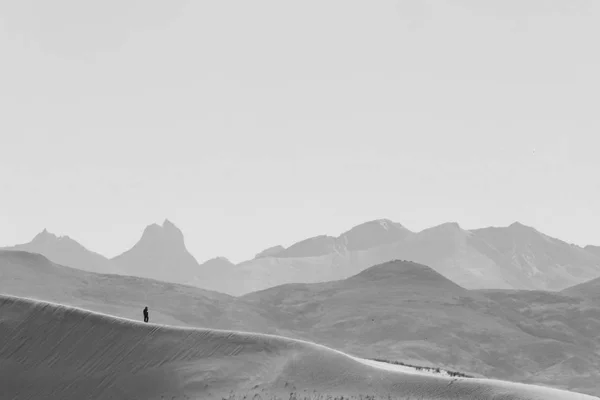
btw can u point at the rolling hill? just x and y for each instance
(409, 312)
(563, 322)
(34, 276)
(54, 352)
(398, 311)
(589, 290)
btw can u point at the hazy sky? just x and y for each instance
(256, 123)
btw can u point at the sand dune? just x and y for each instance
(48, 351)
(397, 311)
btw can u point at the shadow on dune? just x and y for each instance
(54, 352)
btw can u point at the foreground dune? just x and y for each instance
(48, 351)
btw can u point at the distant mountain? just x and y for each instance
(513, 257)
(160, 254)
(215, 273)
(362, 237)
(534, 259)
(66, 251)
(312, 247)
(593, 249)
(448, 249)
(270, 252)
(373, 234)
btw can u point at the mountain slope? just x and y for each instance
(271, 251)
(589, 290)
(562, 322)
(66, 251)
(445, 248)
(312, 247)
(448, 249)
(215, 273)
(535, 259)
(160, 254)
(373, 234)
(593, 249)
(513, 257)
(54, 352)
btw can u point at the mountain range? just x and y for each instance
(512, 257)
(66, 251)
(398, 311)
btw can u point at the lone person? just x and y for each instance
(146, 314)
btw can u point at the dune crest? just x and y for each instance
(51, 351)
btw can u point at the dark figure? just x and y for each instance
(146, 314)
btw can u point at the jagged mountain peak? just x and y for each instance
(170, 226)
(45, 235)
(520, 230)
(219, 260)
(47, 238)
(160, 254)
(66, 251)
(168, 232)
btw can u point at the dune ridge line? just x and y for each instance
(52, 351)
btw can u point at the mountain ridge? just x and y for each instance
(512, 257)
(160, 253)
(66, 251)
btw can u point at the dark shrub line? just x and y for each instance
(421, 368)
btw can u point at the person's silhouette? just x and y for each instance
(146, 314)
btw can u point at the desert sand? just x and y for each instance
(398, 311)
(50, 351)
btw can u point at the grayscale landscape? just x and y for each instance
(512, 257)
(310, 200)
(398, 311)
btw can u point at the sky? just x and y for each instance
(253, 124)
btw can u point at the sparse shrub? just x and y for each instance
(436, 370)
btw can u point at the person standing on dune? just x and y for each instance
(146, 314)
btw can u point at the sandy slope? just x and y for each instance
(48, 351)
(396, 311)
